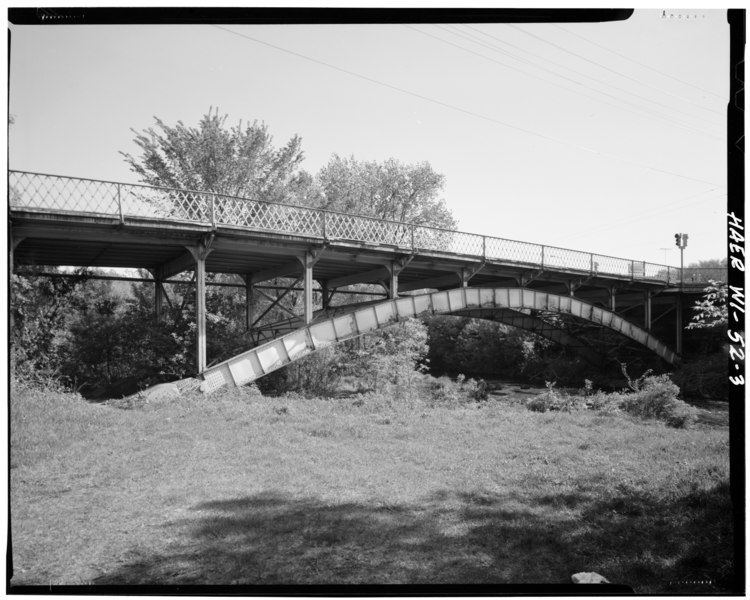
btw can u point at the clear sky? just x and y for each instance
(606, 137)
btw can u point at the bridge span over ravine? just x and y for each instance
(56, 220)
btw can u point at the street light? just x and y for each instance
(681, 240)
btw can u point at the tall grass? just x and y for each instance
(241, 488)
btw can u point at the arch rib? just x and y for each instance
(252, 364)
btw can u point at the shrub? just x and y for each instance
(553, 399)
(476, 390)
(314, 375)
(604, 402)
(444, 391)
(656, 398)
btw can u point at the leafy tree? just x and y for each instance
(115, 345)
(240, 161)
(389, 190)
(711, 310)
(41, 311)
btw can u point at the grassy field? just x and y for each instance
(242, 489)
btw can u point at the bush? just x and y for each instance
(444, 391)
(315, 375)
(553, 399)
(605, 403)
(656, 398)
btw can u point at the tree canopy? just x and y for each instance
(389, 190)
(242, 161)
(238, 161)
(711, 310)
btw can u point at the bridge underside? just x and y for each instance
(321, 269)
(550, 315)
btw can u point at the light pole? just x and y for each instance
(680, 240)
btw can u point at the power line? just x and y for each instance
(646, 110)
(645, 84)
(459, 109)
(593, 62)
(645, 66)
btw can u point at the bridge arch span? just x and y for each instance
(257, 362)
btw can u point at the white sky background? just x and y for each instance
(606, 137)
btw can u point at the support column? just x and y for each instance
(572, 287)
(394, 268)
(250, 301)
(464, 276)
(308, 261)
(647, 311)
(307, 285)
(678, 328)
(200, 253)
(158, 299)
(466, 273)
(159, 293)
(324, 293)
(612, 295)
(393, 283)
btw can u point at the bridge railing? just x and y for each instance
(53, 193)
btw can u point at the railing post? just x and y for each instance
(542, 257)
(119, 204)
(213, 211)
(591, 264)
(411, 227)
(484, 247)
(325, 233)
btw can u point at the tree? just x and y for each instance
(711, 310)
(240, 161)
(390, 190)
(42, 310)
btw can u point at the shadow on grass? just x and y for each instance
(452, 538)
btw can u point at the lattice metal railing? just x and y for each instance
(52, 193)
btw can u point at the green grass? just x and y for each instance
(243, 489)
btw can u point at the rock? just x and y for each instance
(588, 578)
(163, 391)
(189, 384)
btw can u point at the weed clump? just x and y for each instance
(650, 397)
(553, 399)
(656, 398)
(445, 391)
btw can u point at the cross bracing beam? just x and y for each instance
(268, 357)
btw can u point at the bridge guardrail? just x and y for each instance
(38, 191)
